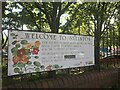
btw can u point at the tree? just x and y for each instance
(92, 18)
(37, 16)
(96, 18)
(49, 12)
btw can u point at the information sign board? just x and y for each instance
(37, 51)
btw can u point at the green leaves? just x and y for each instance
(36, 57)
(17, 45)
(16, 70)
(14, 42)
(34, 47)
(24, 42)
(36, 63)
(21, 65)
(29, 57)
(42, 67)
(29, 62)
(56, 66)
(37, 69)
(22, 55)
(14, 50)
(28, 51)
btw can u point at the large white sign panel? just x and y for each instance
(36, 52)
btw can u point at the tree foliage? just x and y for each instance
(85, 18)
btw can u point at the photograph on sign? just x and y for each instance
(37, 51)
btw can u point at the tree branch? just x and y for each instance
(109, 18)
(47, 15)
(32, 17)
(66, 7)
(31, 14)
(59, 10)
(38, 6)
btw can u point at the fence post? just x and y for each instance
(96, 51)
(0, 45)
(119, 77)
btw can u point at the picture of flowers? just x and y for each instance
(22, 53)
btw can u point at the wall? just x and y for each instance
(103, 79)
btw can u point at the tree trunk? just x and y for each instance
(98, 26)
(54, 26)
(1, 24)
(97, 48)
(119, 26)
(97, 42)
